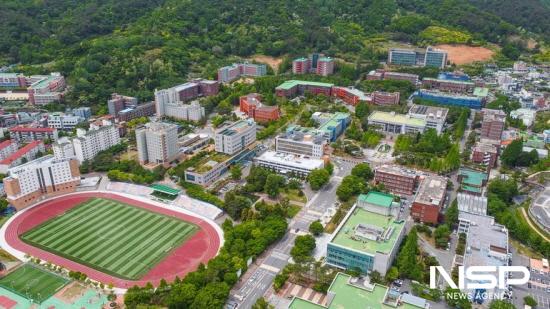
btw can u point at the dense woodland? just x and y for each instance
(133, 47)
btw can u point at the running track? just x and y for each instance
(200, 248)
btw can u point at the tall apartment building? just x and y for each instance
(301, 66)
(409, 57)
(43, 177)
(22, 155)
(89, 143)
(367, 238)
(157, 143)
(46, 89)
(235, 137)
(119, 102)
(429, 199)
(434, 116)
(309, 143)
(22, 134)
(493, 123)
(232, 72)
(7, 148)
(397, 179)
(169, 101)
(385, 98)
(325, 66)
(252, 106)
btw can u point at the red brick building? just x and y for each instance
(448, 85)
(485, 154)
(350, 96)
(252, 106)
(301, 66)
(429, 199)
(385, 98)
(493, 123)
(398, 180)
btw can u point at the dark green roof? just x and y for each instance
(165, 189)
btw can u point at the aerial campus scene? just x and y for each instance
(378, 154)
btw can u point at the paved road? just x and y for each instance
(259, 277)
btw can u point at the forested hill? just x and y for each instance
(134, 46)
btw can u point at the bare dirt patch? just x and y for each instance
(271, 61)
(71, 292)
(464, 54)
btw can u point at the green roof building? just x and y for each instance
(293, 88)
(346, 292)
(472, 181)
(368, 238)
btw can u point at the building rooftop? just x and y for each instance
(360, 226)
(44, 82)
(392, 117)
(291, 160)
(431, 190)
(331, 120)
(350, 293)
(289, 84)
(481, 92)
(449, 81)
(30, 129)
(235, 127)
(484, 147)
(5, 143)
(448, 95)
(21, 152)
(377, 198)
(430, 112)
(356, 92)
(471, 177)
(208, 162)
(396, 169)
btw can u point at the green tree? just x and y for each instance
(234, 204)
(501, 304)
(273, 184)
(3, 205)
(362, 110)
(362, 170)
(236, 172)
(441, 235)
(451, 215)
(392, 274)
(350, 186)
(407, 258)
(530, 301)
(318, 178)
(303, 248)
(261, 303)
(316, 228)
(511, 154)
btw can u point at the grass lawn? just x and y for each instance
(111, 236)
(33, 283)
(293, 210)
(293, 196)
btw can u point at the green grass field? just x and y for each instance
(112, 237)
(33, 283)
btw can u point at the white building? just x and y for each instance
(284, 163)
(45, 176)
(527, 115)
(235, 137)
(396, 123)
(88, 144)
(157, 143)
(7, 148)
(301, 143)
(434, 116)
(63, 122)
(191, 112)
(472, 203)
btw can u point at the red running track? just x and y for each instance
(200, 248)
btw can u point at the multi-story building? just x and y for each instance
(434, 116)
(82, 112)
(209, 169)
(229, 73)
(471, 203)
(385, 98)
(12, 80)
(350, 95)
(409, 57)
(191, 112)
(435, 58)
(87, 144)
(7, 148)
(472, 181)
(142, 110)
(379, 203)
(332, 124)
(184, 93)
(448, 84)
(63, 122)
(493, 123)
(413, 78)
(450, 98)
(288, 163)
(301, 66)
(25, 154)
(235, 137)
(429, 199)
(157, 143)
(456, 76)
(43, 177)
(293, 88)
(396, 179)
(400, 56)
(366, 240)
(252, 106)
(396, 123)
(22, 134)
(119, 102)
(325, 66)
(486, 244)
(309, 143)
(46, 89)
(486, 154)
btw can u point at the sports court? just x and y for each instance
(111, 236)
(30, 282)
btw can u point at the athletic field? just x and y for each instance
(112, 237)
(33, 283)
